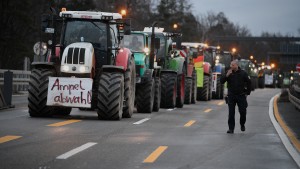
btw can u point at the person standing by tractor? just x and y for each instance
(239, 86)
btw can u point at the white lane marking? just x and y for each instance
(142, 121)
(75, 151)
(285, 140)
(171, 109)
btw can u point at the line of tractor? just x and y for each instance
(94, 61)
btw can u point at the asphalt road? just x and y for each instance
(190, 138)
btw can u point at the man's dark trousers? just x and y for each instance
(241, 101)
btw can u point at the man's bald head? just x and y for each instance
(234, 65)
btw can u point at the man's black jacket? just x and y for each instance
(237, 82)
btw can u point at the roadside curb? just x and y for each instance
(287, 137)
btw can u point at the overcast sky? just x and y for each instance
(257, 15)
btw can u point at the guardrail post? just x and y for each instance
(7, 87)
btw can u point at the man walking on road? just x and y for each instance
(239, 86)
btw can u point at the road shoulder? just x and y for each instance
(286, 135)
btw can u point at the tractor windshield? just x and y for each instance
(225, 58)
(135, 42)
(245, 65)
(86, 31)
(209, 56)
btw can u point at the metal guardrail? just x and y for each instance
(294, 100)
(20, 79)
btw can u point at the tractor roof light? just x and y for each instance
(107, 17)
(123, 12)
(175, 26)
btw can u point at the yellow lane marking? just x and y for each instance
(155, 154)
(286, 129)
(221, 103)
(63, 123)
(8, 138)
(207, 110)
(188, 124)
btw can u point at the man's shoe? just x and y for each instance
(243, 128)
(230, 131)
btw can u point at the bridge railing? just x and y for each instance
(20, 79)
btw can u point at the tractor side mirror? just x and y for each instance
(127, 27)
(45, 22)
(157, 43)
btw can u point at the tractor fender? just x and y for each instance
(168, 71)
(112, 68)
(190, 69)
(219, 68)
(123, 58)
(49, 65)
(206, 68)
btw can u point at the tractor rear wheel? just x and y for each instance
(194, 87)
(180, 90)
(37, 92)
(168, 90)
(145, 97)
(188, 90)
(218, 94)
(110, 96)
(157, 95)
(203, 93)
(129, 94)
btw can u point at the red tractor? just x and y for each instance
(87, 69)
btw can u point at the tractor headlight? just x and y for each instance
(65, 68)
(83, 69)
(146, 50)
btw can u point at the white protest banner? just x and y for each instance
(70, 92)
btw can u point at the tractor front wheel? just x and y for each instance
(168, 90)
(110, 96)
(145, 97)
(38, 91)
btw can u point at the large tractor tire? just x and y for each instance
(194, 87)
(180, 90)
(145, 97)
(37, 93)
(94, 92)
(129, 94)
(157, 95)
(188, 90)
(252, 84)
(203, 93)
(168, 90)
(261, 82)
(110, 96)
(218, 94)
(210, 88)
